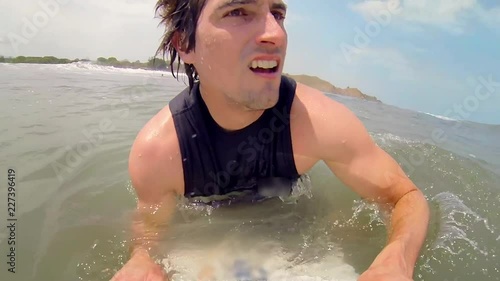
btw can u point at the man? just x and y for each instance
(244, 128)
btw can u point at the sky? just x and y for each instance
(440, 56)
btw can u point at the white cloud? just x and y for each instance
(451, 15)
(391, 60)
(490, 16)
(79, 29)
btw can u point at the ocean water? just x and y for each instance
(66, 131)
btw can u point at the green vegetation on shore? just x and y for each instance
(151, 64)
(160, 64)
(42, 60)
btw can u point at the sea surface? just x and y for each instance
(66, 131)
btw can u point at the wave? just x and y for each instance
(90, 67)
(457, 223)
(468, 122)
(439, 116)
(388, 138)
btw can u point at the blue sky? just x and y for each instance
(425, 56)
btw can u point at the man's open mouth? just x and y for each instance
(264, 66)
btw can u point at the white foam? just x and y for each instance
(91, 68)
(387, 137)
(458, 228)
(439, 116)
(88, 66)
(259, 261)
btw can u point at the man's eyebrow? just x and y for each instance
(231, 3)
(279, 6)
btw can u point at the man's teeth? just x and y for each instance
(266, 64)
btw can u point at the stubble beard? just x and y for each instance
(256, 100)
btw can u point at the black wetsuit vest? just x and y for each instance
(257, 159)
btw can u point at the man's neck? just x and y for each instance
(228, 114)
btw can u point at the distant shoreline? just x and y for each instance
(151, 64)
(162, 65)
(327, 87)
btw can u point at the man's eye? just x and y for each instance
(278, 15)
(236, 13)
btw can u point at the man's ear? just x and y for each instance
(180, 42)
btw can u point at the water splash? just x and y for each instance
(99, 261)
(187, 208)
(456, 221)
(301, 187)
(389, 139)
(376, 212)
(461, 240)
(206, 205)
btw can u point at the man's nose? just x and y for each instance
(272, 32)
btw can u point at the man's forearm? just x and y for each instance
(145, 235)
(407, 232)
(148, 225)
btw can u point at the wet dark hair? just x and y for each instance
(180, 18)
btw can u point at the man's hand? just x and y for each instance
(141, 268)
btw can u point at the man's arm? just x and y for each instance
(153, 212)
(348, 150)
(156, 173)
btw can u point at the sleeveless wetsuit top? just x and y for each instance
(257, 159)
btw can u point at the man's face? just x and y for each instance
(240, 50)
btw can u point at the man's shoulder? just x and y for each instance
(158, 132)
(316, 103)
(155, 160)
(321, 123)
